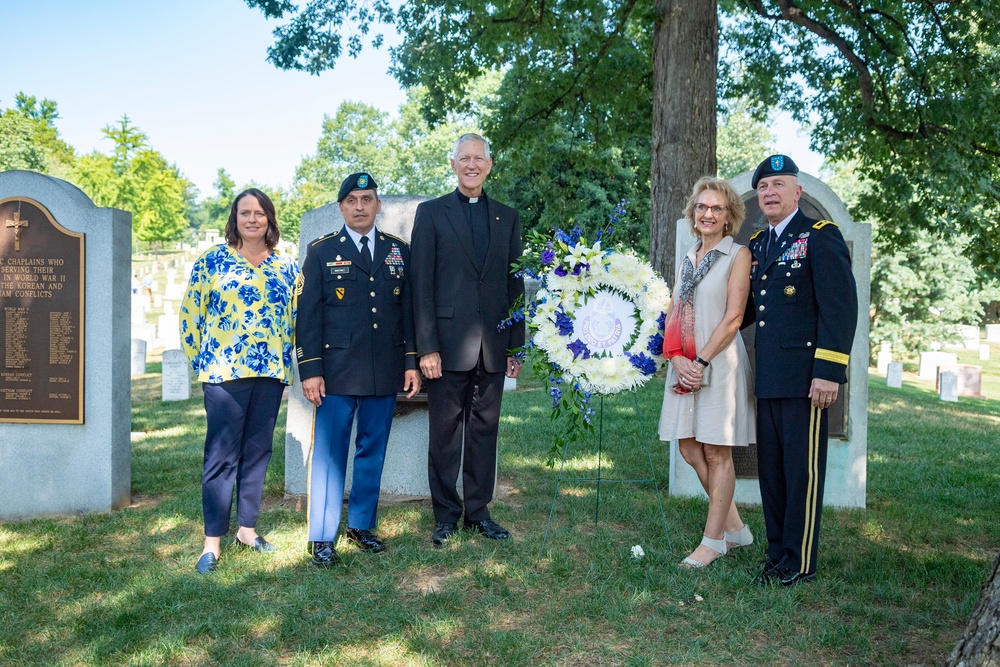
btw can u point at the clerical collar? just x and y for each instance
(469, 200)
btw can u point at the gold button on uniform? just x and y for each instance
(761, 308)
(375, 326)
(374, 310)
(763, 292)
(760, 324)
(373, 293)
(371, 279)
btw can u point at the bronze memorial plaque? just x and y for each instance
(41, 315)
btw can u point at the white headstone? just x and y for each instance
(168, 332)
(970, 379)
(138, 308)
(949, 387)
(173, 291)
(894, 375)
(993, 333)
(157, 300)
(884, 358)
(929, 362)
(510, 384)
(176, 376)
(138, 357)
(970, 336)
(984, 352)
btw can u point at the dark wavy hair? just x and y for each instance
(232, 231)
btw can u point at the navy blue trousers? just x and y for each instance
(328, 463)
(464, 414)
(241, 416)
(791, 468)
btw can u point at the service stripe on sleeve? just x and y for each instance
(830, 355)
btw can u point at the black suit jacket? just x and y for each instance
(805, 303)
(353, 328)
(458, 304)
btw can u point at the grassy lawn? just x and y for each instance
(897, 581)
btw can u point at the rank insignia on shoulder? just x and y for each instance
(823, 223)
(790, 290)
(756, 234)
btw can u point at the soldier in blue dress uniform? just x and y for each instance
(356, 349)
(803, 304)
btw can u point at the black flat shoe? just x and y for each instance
(260, 545)
(206, 563)
(442, 532)
(324, 554)
(366, 540)
(489, 528)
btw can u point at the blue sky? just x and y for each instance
(193, 76)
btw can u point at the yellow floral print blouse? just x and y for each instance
(237, 319)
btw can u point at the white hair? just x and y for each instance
(467, 137)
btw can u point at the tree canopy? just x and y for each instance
(905, 89)
(136, 178)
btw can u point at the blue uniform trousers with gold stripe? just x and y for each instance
(328, 463)
(791, 466)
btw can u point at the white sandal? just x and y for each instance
(714, 545)
(741, 538)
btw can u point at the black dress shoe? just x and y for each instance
(365, 540)
(791, 577)
(442, 532)
(489, 528)
(324, 554)
(763, 568)
(260, 545)
(206, 563)
(769, 573)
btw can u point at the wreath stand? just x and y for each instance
(599, 479)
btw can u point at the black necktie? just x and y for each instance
(366, 256)
(772, 241)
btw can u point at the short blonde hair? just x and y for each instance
(735, 208)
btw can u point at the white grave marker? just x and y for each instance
(176, 376)
(993, 333)
(929, 362)
(984, 352)
(138, 357)
(949, 387)
(884, 357)
(894, 375)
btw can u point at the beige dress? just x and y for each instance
(723, 413)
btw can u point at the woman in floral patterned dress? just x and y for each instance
(237, 330)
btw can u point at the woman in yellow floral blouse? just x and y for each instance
(236, 328)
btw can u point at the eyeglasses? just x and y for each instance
(701, 208)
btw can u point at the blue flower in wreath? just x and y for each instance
(655, 345)
(578, 347)
(561, 271)
(661, 321)
(643, 363)
(564, 323)
(548, 256)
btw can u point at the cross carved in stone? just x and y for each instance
(16, 224)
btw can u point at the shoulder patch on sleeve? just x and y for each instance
(756, 234)
(823, 223)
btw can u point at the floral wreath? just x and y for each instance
(572, 273)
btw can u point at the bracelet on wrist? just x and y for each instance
(701, 361)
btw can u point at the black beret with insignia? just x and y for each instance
(360, 181)
(774, 166)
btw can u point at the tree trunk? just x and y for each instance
(685, 69)
(980, 645)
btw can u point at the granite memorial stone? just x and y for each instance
(948, 390)
(64, 365)
(138, 357)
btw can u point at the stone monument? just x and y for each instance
(405, 471)
(175, 376)
(65, 286)
(846, 472)
(894, 375)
